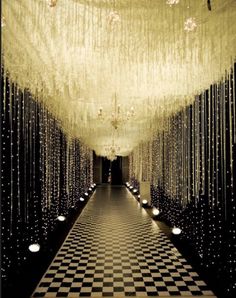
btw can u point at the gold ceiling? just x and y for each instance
(111, 71)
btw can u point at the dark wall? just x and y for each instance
(97, 169)
(125, 169)
(43, 176)
(194, 179)
(106, 165)
(199, 150)
(116, 171)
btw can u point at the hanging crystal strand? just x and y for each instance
(5, 202)
(41, 173)
(11, 156)
(202, 190)
(211, 176)
(233, 139)
(53, 167)
(58, 194)
(216, 141)
(193, 152)
(91, 167)
(18, 119)
(175, 160)
(189, 126)
(50, 169)
(71, 168)
(35, 197)
(221, 146)
(198, 146)
(15, 218)
(62, 174)
(67, 167)
(29, 168)
(182, 149)
(219, 161)
(233, 84)
(185, 147)
(4, 76)
(179, 169)
(231, 128)
(213, 161)
(46, 168)
(224, 153)
(209, 148)
(59, 169)
(80, 166)
(42, 170)
(203, 147)
(232, 143)
(196, 149)
(25, 137)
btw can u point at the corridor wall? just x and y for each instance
(44, 173)
(193, 174)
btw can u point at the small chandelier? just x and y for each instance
(116, 117)
(112, 156)
(111, 151)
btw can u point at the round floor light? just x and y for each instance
(176, 231)
(61, 218)
(144, 202)
(81, 199)
(135, 190)
(155, 211)
(86, 194)
(34, 247)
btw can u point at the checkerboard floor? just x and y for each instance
(116, 249)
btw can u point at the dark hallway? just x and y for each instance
(118, 148)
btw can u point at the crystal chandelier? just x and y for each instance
(112, 155)
(111, 151)
(117, 117)
(143, 50)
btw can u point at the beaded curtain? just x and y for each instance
(193, 176)
(112, 70)
(43, 174)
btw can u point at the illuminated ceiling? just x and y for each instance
(111, 71)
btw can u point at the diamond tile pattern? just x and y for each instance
(116, 249)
